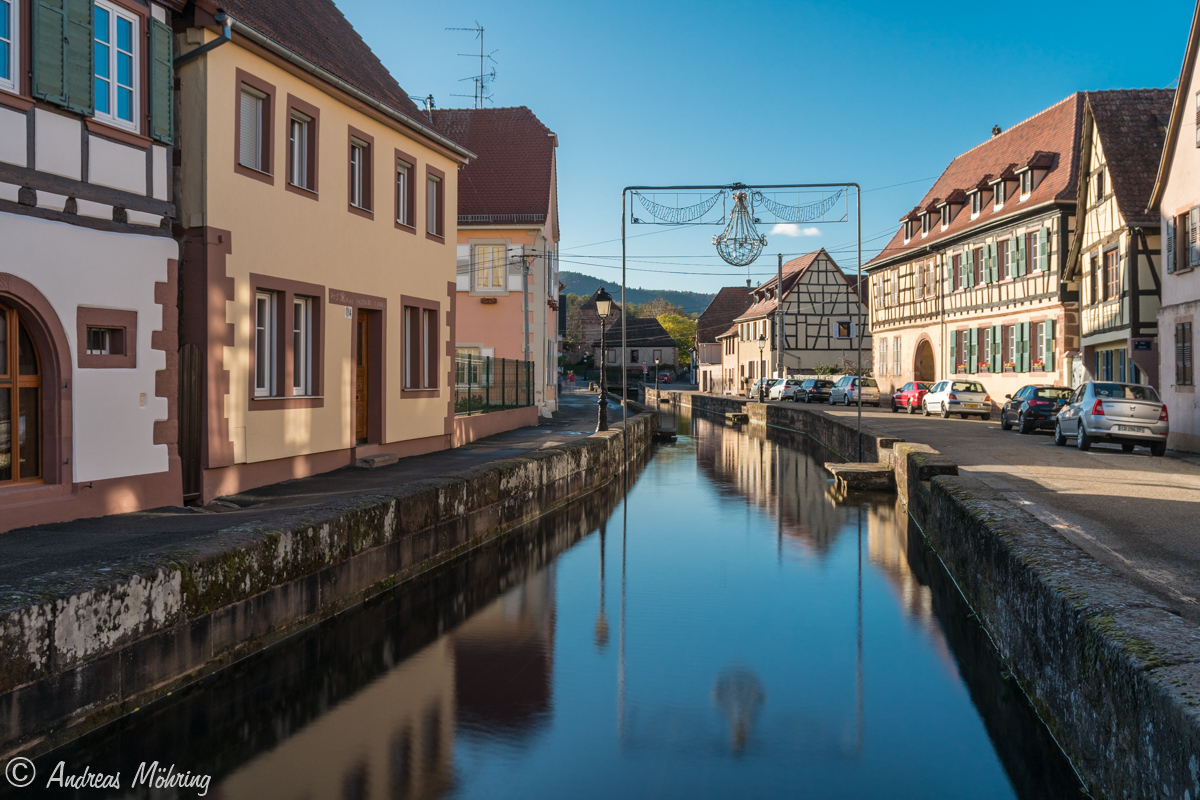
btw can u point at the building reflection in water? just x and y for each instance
(490, 677)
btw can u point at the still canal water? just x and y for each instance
(719, 629)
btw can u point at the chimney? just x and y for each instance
(748, 283)
(996, 131)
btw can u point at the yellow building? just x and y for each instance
(318, 272)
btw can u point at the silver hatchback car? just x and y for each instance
(846, 391)
(1126, 413)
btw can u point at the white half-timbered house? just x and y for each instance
(88, 266)
(1115, 257)
(972, 281)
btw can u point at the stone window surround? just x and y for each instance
(124, 321)
(284, 290)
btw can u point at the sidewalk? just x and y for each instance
(34, 560)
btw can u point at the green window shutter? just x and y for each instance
(973, 359)
(1044, 250)
(949, 273)
(1023, 347)
(77, 47)
(953, 352)
(1020, 237)
(49, 51)
(1048, 345)
(1012, 255)
(161, 58)
(994, 275)
(997, 362)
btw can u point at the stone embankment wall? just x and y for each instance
(80, 658)
(1112, 671)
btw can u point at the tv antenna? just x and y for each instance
(485, 76)
(426, 101)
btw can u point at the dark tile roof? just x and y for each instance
(513, 175)
(1054, 131)
(317, 31)
(729, 304)
(639, 332)
(1132, 125)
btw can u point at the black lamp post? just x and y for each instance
(603, 309)
(762, 379)
(656, 379)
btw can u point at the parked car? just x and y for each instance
(760, 389)
(847, 388)
(965, 398)
(664, 377)
(813, 390)
(910, 396)
(1126, 413)
(785, 389)
(1033, 407)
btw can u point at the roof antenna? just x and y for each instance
(484, 78)
(427, 100)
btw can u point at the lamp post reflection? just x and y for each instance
(601, 632)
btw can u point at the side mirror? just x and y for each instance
(1008, 397)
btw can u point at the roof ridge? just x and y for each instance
(1011, 128)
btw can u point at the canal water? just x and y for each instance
(713, 626)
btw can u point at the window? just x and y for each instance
(251, 141)
(1026, 183)
(883, 359)
(358, 172)
(116, 65)
(845, 330)
(998, 194)
(1098, 181)
(101, 341)
(1183, 354)
(926, 223)
(633, 356)
(1005, 258)
(956, 275)
(421, 362)
(20, 396)
(301, 346)
(908, 230)
(404, 186)
(9, 58)
(977, 265)
(298, 150)
(897, 367)
(264, 344)
(1112, 274)
(487, 266)
(433, 206)
(945, 216)
(976, 203)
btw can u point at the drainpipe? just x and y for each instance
(226, 35)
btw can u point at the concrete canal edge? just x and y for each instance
(99, 646)
(1112, 671)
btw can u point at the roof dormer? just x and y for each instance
(1034, 171)
(949, 208)
(929, 216)
(908, 224)
(979, 194)
(1004, 185)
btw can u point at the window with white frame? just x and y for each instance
(250, 133)
(896, 347)
(99, 341)
(433, 190)
(976, 204)
(1026, 183)
(116, 65)
(264, 344)
(998, 194)
(883, 359)
(358, 161)
(9, 58)
(300, 128)
(487, 266)
(403, 185)
(301, 346)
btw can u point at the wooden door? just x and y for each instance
(362, 380)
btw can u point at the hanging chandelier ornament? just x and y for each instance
(740, 243)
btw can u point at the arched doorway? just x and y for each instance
(924, 365)
(20, 401)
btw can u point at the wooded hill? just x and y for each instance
(578, 283)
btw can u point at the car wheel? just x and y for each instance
(1082, 440)
(924, 408)
(894, 408)
(846, 400)
(945, 411)
(1158, 449)
(1024, 425)
(1005, 425)
(1127, 447)
(911, 408)
(1059, 439)
(965, 416)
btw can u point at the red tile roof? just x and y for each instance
(792, 271)
(727, 306)
(317, 31)
(513, 177)
(1053, 132)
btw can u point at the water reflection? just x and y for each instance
(721, 630)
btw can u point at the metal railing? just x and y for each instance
(484, 384)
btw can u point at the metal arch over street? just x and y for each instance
(779, 278)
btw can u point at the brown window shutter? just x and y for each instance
(431, 347)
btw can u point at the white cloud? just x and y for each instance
(793, 230)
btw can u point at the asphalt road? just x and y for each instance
(1138, 514)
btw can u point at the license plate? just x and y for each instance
(1130, 429)
(970, 405)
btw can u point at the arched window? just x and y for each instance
(20, 402)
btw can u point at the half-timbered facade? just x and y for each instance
(1115, 255)
(1175, 199)
(88, 268)
(972, 281)
(821, 312)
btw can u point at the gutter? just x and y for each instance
(334, 80)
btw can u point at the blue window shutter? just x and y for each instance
(77, 48)
(49, 51)
(161, 78)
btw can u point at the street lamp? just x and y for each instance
(762, 342)
(656, 379)
(603, 309)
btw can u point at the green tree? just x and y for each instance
(654, 309)
(682, 329)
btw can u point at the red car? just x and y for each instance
(910, 396)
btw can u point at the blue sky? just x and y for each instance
(659, 93)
